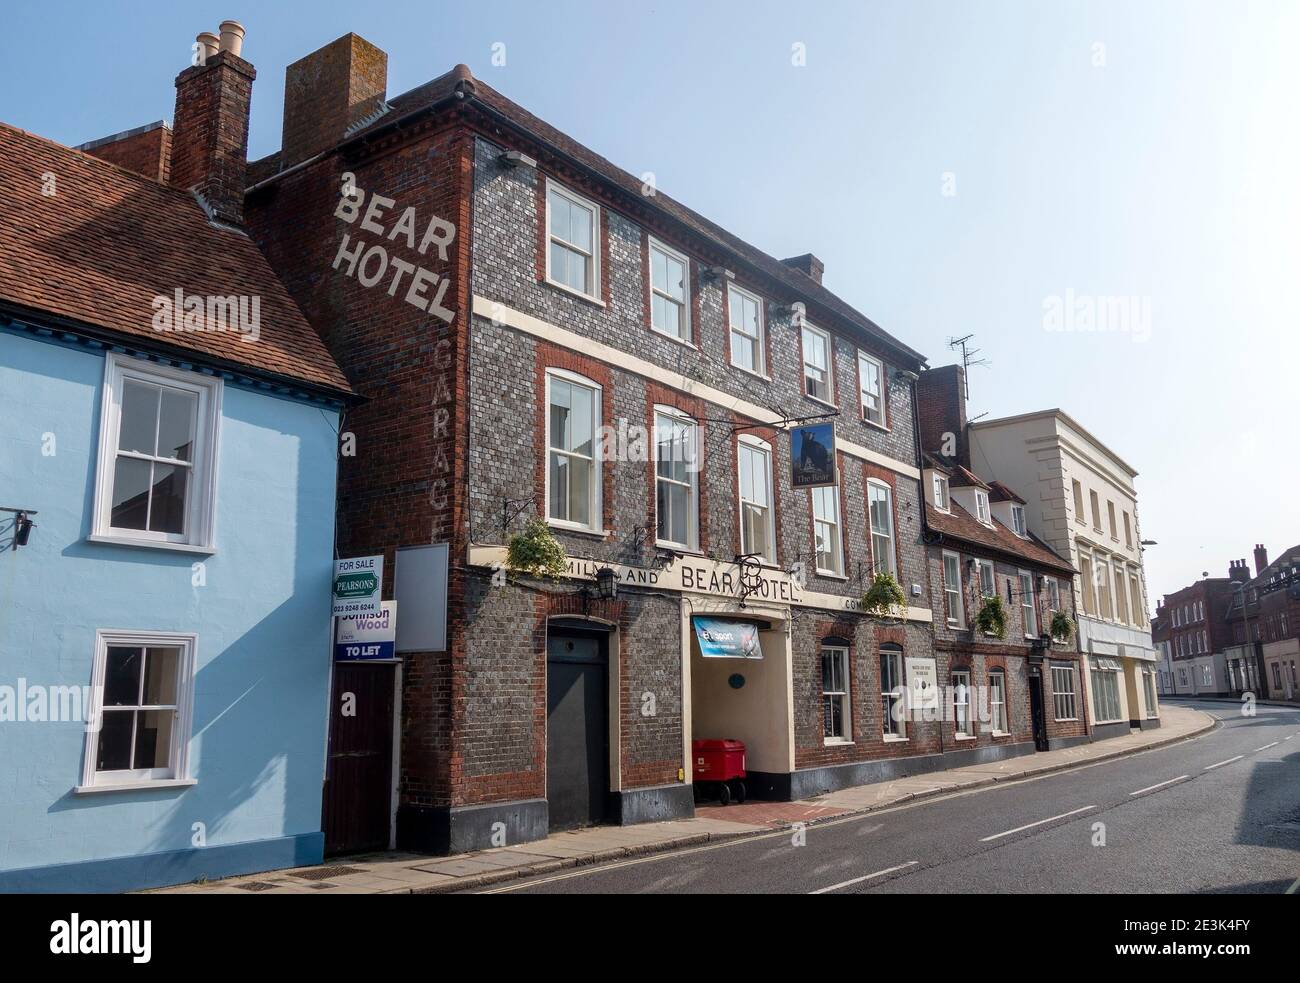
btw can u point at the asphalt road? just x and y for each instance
(1216, 813)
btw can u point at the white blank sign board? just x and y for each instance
(420, 590)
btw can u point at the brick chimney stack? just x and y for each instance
(326, 92)
(807, 264)
(209, 153)
(1261, 558)
(1238, 572)
(941, 410)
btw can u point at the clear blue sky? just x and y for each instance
(1161, 166)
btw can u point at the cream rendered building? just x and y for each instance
(1082, 503)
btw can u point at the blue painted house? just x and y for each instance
(168, 438)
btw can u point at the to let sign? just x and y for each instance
(357, 583)
(367, 636)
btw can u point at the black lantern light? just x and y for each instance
(606, 583)
(22, 529)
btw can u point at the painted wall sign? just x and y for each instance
(714, 578)
(922, 683)
(420, 586)
(367, 636)
(722, 638)
(812, 455)
(357, 583)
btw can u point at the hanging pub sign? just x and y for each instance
(720, 638)
(812, 455)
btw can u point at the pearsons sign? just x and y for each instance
(357, 582)
(721, 638)
(812, 455)
(367, 636)
(698, 575)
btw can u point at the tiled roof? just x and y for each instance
(798, 283)
(98, 250)
(998, 492)
(963, 526)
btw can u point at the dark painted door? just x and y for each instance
(577, 732)
(356, 811)
(1036, 710)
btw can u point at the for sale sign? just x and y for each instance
(357, 583)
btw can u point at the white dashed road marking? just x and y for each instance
(1222, 763)
(1152, 788)
(1019, 829)
(1267, 746)
(865, 877)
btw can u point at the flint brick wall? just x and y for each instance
(507, 448)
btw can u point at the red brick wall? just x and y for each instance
(210, 133)
(147, 153)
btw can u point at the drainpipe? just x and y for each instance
(928, 538)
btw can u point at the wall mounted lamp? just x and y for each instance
(22, 525)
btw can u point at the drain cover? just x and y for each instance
(324, 873)
(255, 886)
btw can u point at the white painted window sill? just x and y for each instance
(152, 544)
(564, 287)
(965, 737)
(837, 742)
(579, 530)
(756, 375)
(136, 786)
(661, 333)
(879, 426)
(1000, 733)
(895, 739)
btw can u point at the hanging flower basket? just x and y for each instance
(536, 551)
(884, 598)
(992, 617)
(1062, 626)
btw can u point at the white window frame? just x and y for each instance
(1063, 697)
(199, 535)
(889, 563)
(1121, 592)
(1149, 690)
(837, 536)
(841, 653)
(1054, 593)
(1028, 604)
(760, 344)
(596, 504)
(992, 589)
(178, 774)
(1102, 696)
(982, 511)
(893, 730)
(669, 252)
(805, 332)
(1207, 676)
(1095, 502)
(693, 516)
(940, 493)
(553, 187)
(1019, 525)
(1076, 489)
(864, 391)
(998, 703)
(963, 727)
(950, 591)
(761, 446)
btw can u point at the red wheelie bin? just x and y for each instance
(719, 769)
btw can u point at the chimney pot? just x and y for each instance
(232, 37)
(1261, 558)
(209, 43)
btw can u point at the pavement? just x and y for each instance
(713, 826)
